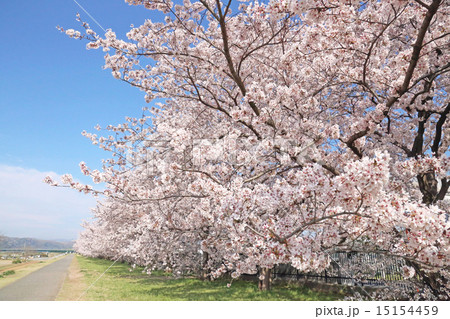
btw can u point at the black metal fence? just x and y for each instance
(356, 269)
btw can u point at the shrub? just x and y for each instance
(9, 272)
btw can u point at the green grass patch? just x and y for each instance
(118, 283)
(9, 272)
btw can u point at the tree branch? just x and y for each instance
(417, 47)
(438, 136)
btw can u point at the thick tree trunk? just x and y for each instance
(205, 269)
(428, 186)
(265, 281)
(431, 280)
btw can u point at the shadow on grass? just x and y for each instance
(192, 289)
(121, 284)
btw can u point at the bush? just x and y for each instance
(17, 261)
(9, 272)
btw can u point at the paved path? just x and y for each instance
(43, 284)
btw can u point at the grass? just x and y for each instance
(118, 283)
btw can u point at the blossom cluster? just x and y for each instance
(289, 130)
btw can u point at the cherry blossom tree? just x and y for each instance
(280, 132)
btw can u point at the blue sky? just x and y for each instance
(51, 89)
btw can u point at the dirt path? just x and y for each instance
(74, 285)
(42, 284)
(17, 266)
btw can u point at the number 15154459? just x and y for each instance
(407, 310)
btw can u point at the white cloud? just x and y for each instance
(30, 208)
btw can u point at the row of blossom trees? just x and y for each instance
(280, 132)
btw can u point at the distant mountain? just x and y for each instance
(32, 243)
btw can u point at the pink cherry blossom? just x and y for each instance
(288, 130)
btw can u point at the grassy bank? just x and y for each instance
(118, 283)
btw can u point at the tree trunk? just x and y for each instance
(428, 186)
(431, 280)
(265, 281)
(205, 269)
